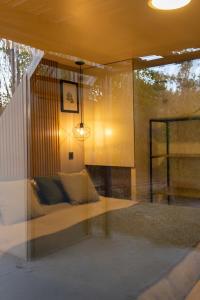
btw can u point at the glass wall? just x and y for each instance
(165, 92)
(15, 59)
(86, 218)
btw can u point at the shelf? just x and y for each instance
(177, 119)
(177, 155)
(159, 156)
(179, 192)
(176, 192)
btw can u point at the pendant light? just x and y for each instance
(81, 131)
(168, 4)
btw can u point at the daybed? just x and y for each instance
(120, 248)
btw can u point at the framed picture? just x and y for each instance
(69, 96)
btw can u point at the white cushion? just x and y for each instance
(35, 209)
(49, 209)
(13, 201)
(79, 187)
(14, 205)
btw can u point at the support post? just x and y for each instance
(168, 160)
(151, 162)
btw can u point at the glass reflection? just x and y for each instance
(76, 220)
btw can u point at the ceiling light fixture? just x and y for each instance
(168, 4)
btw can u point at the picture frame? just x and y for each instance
(69, 96)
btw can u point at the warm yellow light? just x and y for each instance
(168, 4)
(81, 131)
(108, 131)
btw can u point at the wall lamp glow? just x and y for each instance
(108, 132)
(168, 4)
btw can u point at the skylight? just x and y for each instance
(151, 57)
(187, 50)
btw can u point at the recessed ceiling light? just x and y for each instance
(168, 4)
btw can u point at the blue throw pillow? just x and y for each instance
(50, 190)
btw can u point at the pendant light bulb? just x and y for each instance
(81, 132)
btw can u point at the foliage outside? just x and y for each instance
(14, 61)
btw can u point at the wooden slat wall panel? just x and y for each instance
(13, 133)
(45, 106)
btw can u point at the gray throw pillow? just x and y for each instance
(79, 187)
(50, 190)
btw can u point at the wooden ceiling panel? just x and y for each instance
(100, 31)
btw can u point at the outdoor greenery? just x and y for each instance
(14, 61)
(172, 79)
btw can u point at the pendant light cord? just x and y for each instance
(81, 92)
(80, 88)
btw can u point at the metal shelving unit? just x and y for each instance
(170, 190)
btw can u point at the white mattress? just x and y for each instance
(64, 216)
(49, 209)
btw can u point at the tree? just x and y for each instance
(186, 78)
(14, 60)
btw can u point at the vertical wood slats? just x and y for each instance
(45, 106)
(13, 133)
